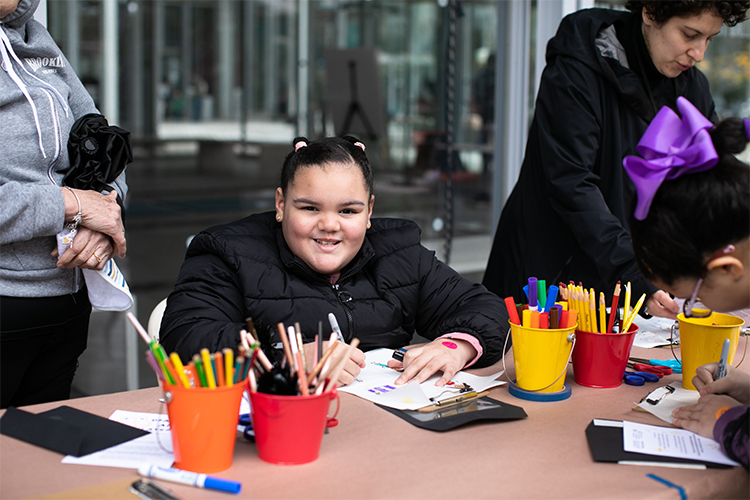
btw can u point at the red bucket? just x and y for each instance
(600, 359)
(289, 429)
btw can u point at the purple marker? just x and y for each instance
(533, 304)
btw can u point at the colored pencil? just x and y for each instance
(613, 310)
(179, 369)
(602, 313)
(228, 366)
(633, 314)
(219, 362)
(198, 364)
(285, 343)
(208, 368)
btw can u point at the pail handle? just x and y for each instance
(333, 421)
(743, 333)
(571, 338)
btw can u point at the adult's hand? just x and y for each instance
(701, 417)
(442, 354)
(735, 384)
(98, 212)
(89, 250)
(661, 304)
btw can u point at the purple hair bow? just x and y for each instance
(670, 148)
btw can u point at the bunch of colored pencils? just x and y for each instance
(205, 370)
(584, 301)
(293, 371)
(542, 310)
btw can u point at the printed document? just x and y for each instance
(671, 442)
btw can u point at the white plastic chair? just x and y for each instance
(154, 321)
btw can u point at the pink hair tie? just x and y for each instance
(362, 146)
(747, 129)
(299, 145)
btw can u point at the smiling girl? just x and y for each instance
(322, 252)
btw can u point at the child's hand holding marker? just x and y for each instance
(449, 355)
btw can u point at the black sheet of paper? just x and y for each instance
(606, 444)
(451, 417)
(66, 430)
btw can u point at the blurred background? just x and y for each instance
(214, 91)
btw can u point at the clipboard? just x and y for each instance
(450, 417)
(606, 445)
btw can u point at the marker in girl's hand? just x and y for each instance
(721, 372)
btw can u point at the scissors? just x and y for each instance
(639, 378)
(659, 371)
(249, 433)
(674, 364)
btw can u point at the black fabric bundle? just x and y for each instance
(98, 153)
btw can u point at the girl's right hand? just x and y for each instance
(735, 384)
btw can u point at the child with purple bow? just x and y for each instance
(691, 237)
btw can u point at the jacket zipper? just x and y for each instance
(338, 292)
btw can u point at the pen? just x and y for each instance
(398, 354)
(510, 305)
(190, 478)
(533, 304)
(541, 294)
(335, 327)
(721, 372)
(551, 298)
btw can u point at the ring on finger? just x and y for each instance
(98, 258)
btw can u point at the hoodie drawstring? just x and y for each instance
(6, 50)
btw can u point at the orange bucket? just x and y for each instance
(204, 426)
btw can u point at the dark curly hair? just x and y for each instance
(695, 215)
(732, 12)
(324, 151)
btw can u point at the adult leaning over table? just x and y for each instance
(608, 73)
(44, 306)
(321, 252)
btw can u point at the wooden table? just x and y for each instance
(373, 454)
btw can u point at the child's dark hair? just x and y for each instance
(696, 215)
(731, 12)
(325, 151)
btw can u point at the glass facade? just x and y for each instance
(214, 91)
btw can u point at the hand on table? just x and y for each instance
(443, 354)
(89, 250)
(661, 304)
(735, 384)
(701, 417)
(352, 366)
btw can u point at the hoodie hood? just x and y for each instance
(22, 14)
(590, 37)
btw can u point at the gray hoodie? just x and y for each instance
(40, 99)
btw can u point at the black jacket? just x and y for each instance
(393, 288)
(566, 218)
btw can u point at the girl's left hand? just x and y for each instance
(443, 354)
(701, 417)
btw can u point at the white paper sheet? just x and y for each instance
(376, 383)
(145, 449)
(654, 332)
(671, 442)
(666, 405)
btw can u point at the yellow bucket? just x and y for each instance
(541, 357)
(701, 340)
